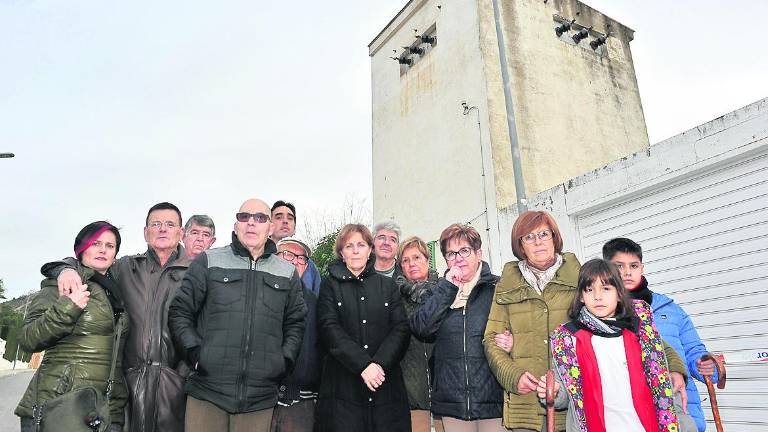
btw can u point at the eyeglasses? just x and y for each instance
(291, 257)
(463, 252)
(385, 238)
(158, 224)
(542, 235)
(257, 217)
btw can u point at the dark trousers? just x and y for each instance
(203, 416)
(299, 417)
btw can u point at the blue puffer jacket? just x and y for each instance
(464, 386)
(677, 330)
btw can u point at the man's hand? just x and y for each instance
(678, 386)
(69, 281)
(541, 387)
(505, 341)
(527, 383)
(373, 376)
(79, 296)
(706, 367)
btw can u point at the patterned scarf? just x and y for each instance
(653, 362)
(538, 279)
(604, 328)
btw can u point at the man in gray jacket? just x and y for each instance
(239, 316)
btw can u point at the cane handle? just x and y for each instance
(720, 369)
(550, 399)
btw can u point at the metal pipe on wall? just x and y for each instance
(517, 167)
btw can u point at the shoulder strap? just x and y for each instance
(115, 350)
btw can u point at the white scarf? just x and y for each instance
(538, 279)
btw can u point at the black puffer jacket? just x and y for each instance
(464, 386)
(241, 321)
(416, 369)
(362, 321)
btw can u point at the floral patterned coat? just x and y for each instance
(655, 367)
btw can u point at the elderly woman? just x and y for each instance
(453, 316)
(531, 300)
(416, 280)
(363, 326)
(77, 332)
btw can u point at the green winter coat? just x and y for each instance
(531, 317)
(77, 344)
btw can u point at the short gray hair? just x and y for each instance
(389, 226)
(202, 220)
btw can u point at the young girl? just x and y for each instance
(609, 360)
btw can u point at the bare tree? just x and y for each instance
(319, 222)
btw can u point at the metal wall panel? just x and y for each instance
(705, 244)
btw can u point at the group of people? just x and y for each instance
(250, 337)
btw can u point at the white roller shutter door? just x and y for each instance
(705, 244)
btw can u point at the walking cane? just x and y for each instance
(550, 401)
(711, 388)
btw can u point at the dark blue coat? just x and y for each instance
(464, 386)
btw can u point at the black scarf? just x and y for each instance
(642, 292)
(110, 287)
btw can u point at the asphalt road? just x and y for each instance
(12, 387)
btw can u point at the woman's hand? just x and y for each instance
(505, 341)
(541, 387)
(527, 383)
(454, 275)
(373, 376)
(678, 386)
(79, 295)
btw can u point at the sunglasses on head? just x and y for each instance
(257, 217)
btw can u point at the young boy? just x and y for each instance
(673, 323)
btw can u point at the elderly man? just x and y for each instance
(146, 282)
(284, 218)
(295, 410)
(386, 240)
(199, 235)
(239, 316)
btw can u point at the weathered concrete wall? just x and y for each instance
(575, 109)
(426, 153)
(730, 137)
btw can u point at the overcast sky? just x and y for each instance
(111, 106)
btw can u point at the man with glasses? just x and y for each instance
(284, 218)
(239, 317)
(295, 410)
(386, 241)
(154, 371)
(199, 235)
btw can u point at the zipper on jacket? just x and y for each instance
(466, 364)
(247, 336)
(429, 380)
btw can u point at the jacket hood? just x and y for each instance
(338, 269)
(241, 250)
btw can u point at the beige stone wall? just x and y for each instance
(426, 153)
(575, 110)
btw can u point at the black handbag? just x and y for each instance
(84, 409)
